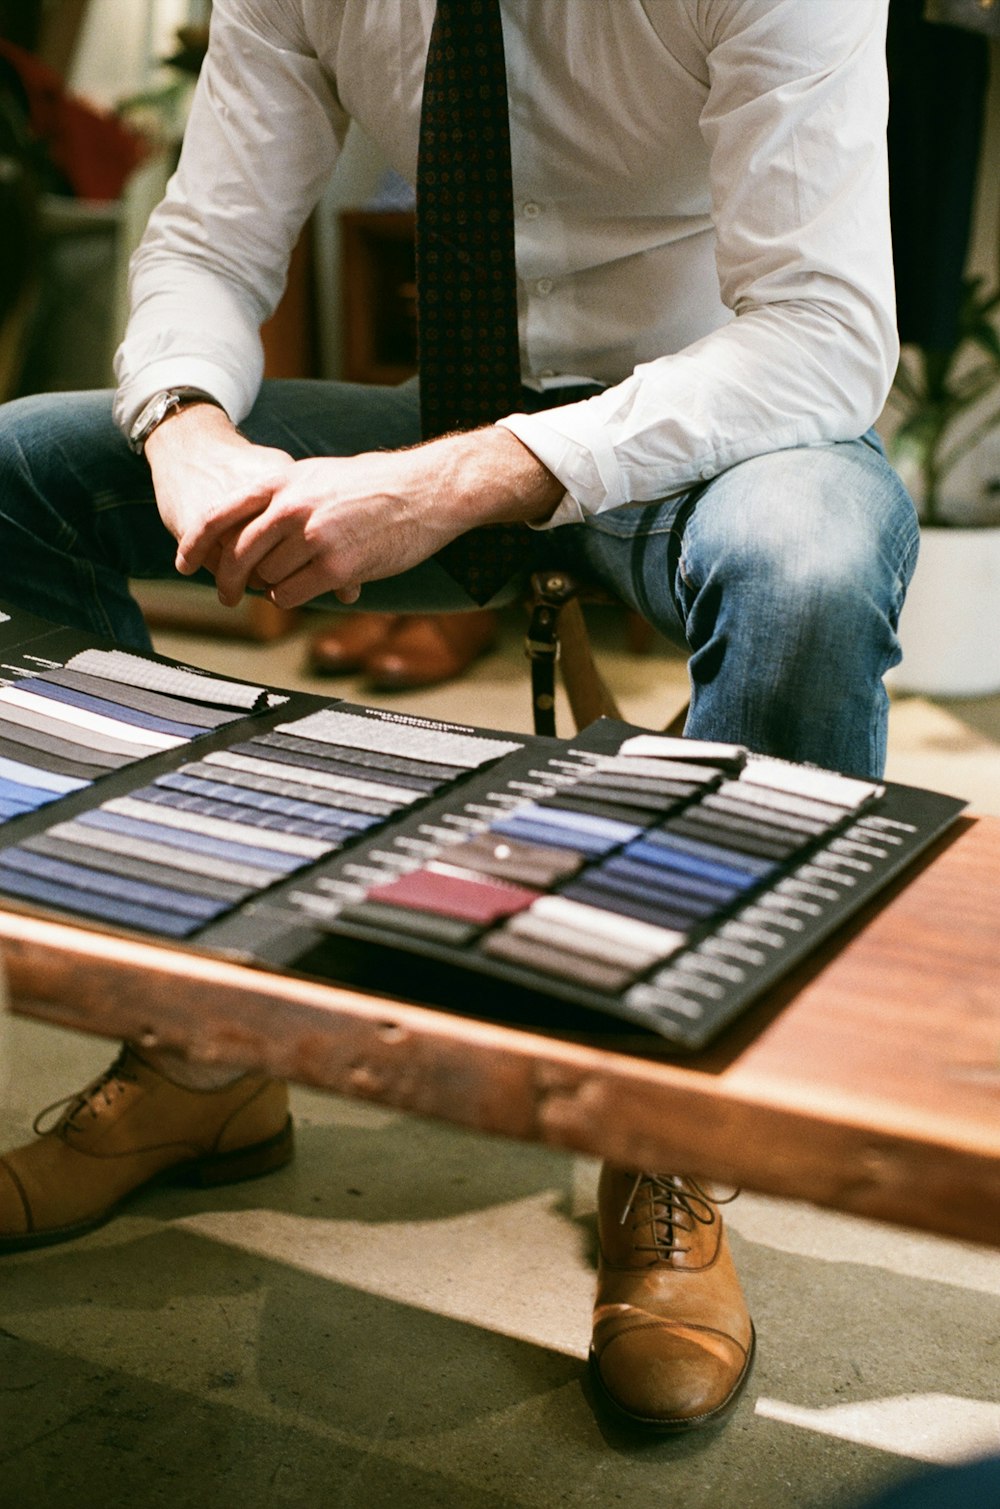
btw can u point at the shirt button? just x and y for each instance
(543, 286)
(532, 210)
(707, 473)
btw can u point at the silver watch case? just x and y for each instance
(156, 410)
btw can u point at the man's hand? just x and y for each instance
(334, 523)
(208, 480)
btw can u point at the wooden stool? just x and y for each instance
(557, 631)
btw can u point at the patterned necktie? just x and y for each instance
(467, 291)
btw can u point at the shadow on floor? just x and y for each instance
(151, 1362)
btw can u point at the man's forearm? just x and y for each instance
(491, 477)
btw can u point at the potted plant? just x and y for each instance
(947, 407)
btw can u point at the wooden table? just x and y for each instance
(868, 1082)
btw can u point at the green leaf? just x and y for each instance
(987, 339)
(972, 387)
(916, 439)
(906, 385)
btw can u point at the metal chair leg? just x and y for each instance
(557, 631)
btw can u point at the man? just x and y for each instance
(706, 326)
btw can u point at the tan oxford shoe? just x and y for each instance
(673, 1343)
(128, 1128)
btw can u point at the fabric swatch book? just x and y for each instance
(663, 883)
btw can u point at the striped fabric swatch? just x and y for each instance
(603, 870)
(64, 728)
(198, 840)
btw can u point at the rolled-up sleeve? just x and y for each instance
(263, 136)
(794, 122)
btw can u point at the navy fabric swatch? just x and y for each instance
(102, 882)
(107, 709)
(551, 836)
(157, 704)
(728, 876)
(106, 908)
(714, 853)
(129, 866)
(195, 843)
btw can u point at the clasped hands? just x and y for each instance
(256, 518)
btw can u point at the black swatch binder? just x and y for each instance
(665, 884)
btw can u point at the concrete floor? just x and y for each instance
(401, 1317)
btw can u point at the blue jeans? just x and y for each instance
(783, 577)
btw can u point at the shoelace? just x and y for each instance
(675, 1208)
(104, 1091)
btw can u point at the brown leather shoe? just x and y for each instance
(673, 1342)
(129, 1127)
(343, 646)
(425, 649)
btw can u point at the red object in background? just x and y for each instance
(94, 152)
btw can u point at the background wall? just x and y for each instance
(120, 42)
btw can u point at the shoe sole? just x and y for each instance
(645, 1425)
(219, 1168)
(352, 667)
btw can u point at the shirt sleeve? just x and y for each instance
(795, 126)
(262, 138)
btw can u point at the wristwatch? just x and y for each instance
(159, 406)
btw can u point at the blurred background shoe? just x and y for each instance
(341, 648)
(400, 651)
(426, 649)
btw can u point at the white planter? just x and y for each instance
(950, 625)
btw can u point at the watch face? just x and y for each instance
(157, 409)
(156, 406)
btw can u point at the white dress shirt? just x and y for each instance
(701, 209)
